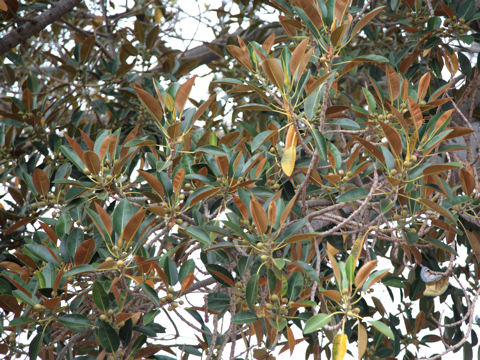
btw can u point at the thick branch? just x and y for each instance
(203, 54)
(36, 25)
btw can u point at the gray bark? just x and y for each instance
(35, 25)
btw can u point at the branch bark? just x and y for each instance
(35, 25)
(202, 54)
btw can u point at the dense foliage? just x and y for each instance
(327, 205)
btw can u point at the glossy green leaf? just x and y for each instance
(200, 234)
(320, 143)
(218, 302)
(64, 223)
(42, 252)
(309, 270)
(251, 292)
(100, 297)
(337, 155)
(151, 293)
(372, 104)
(221, 274)
(312, 103)
(211, 150)
(353, 195)
(20, 295)
(75, 322)
(383, 328)
(187, 268)
(350, 270)
(171, 271)
(125, 332)
(244, 317)
(35, 345)
(108, 337)
(260, 139)
(121, 215)
(316, 322)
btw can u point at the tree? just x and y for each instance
(339, 169)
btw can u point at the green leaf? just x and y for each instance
(211, 150)
(372, 104)
(244, 317)
(147, 330)
(307, 303)
(21, 321)
(345, 123)
(388, 156)
(202, 178)
(441, 245)
(372, 277)
(254, 106)
(316, 322)
(72, 156)
(97, 221)
(20, 295)
(465, 64)
(434, 140)
(306, 20)
(64, 223)
(69, 245)
(221, 274)
(100, 139)
(343, 275)
(330, 5)
(260, 139)
(373, 57)
(337, 155)
(75, 322)
(320, 143)
(279, 263)
(125, 332)
(79, 269)
(393, 281)
(138, 343)
(309, 270)
(108, 337)
(412, 237)
(151, 293)
(383, 328)
(251, 293)
(353, 195)
(122, 215)
(190, 349)
(100, 297)
(41, 252)
(467, 39)
(350, 270)
(187, 268)
(201, 235)
(295, 285)
(171, 271)
(150, 316)
(28, 179)
(386, 206)
(218, 302)
(229, 81)
(35, 345)
(312, 102)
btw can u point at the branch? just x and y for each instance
(203, 55)
(35, 25)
